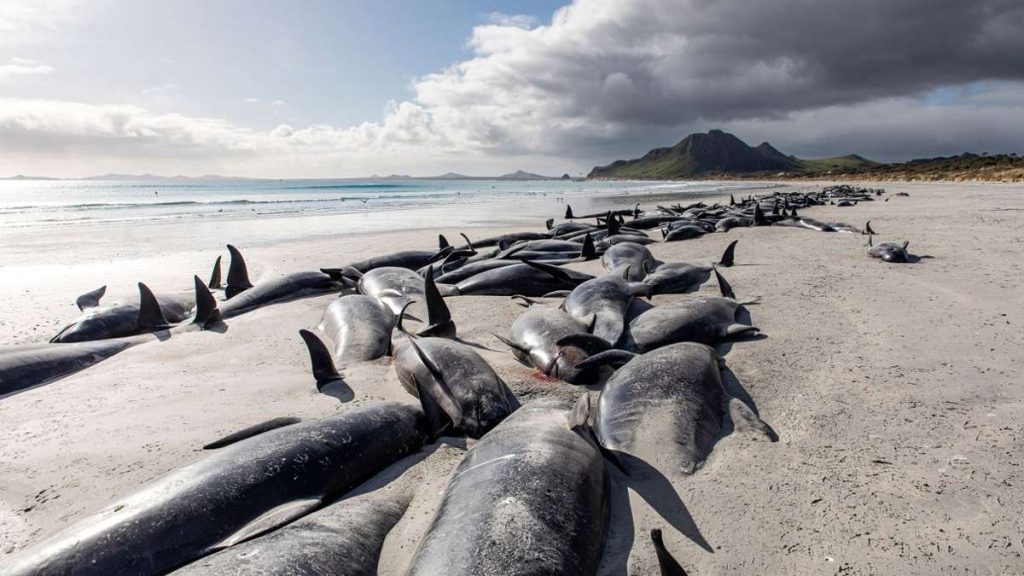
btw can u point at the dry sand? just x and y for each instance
(896, 391)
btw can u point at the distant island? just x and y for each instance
(720, 155)
(518, 175)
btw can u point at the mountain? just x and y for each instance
(720, 154)
(523, 175)
(23, 177)
(153, 177)
(716, 152)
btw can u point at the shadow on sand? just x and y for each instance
(657, 491)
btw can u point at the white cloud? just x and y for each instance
(607, 79)
(516, 20)
(24, 17)
(24, 67)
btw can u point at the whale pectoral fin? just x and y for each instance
(552, 270)
(744, 419)
(557, 294)
(90, 299)
(274, 518)
(526, 301)
(251, 431)
(587, 342)
(324, 370)
(206, 305)
(150, 315)
(733, 330)
(608, 357)
(438, 389)
(579, 418)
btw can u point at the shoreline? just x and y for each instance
(894, 390)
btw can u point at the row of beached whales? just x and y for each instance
(530, 496)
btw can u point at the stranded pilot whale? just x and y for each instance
(528, 279)
(554, 343)
(458, 379)
(152, 313)
(528, 499)
(237, 492)
(888, 251)
(704, 319)
(243, 296)
(678, 277)
(667, 407)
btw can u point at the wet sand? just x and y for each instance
(895, 391)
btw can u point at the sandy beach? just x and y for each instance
(895, 391)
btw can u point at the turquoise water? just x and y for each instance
(128, 218)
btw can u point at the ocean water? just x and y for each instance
(129, 218)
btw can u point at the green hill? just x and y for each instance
(716, 152)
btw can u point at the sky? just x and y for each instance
(348, 89)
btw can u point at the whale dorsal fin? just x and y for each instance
(215, 281)
(549, 223)
(439, 318)
(238, 274)
(729, 254)
(91, 299)
(324, 370)
(723, 286)
(589, 252)
(206, 305)
(150, 315)
(442, 242)
(568, 212)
